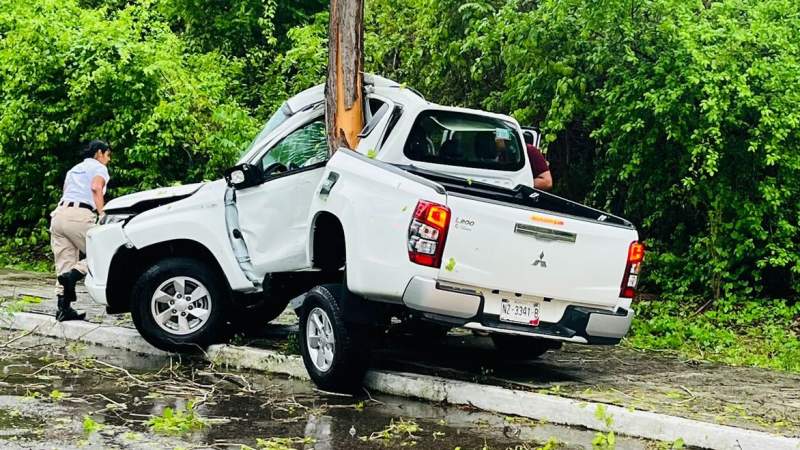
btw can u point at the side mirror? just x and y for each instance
(243, 176)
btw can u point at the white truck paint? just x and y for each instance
(505, 245)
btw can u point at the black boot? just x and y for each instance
(65, 312)
(69, 280)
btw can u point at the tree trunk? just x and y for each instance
(344, 106)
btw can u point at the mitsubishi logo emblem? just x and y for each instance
(540, 262)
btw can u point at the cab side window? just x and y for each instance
(303, 147)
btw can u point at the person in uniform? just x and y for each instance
(78, 210)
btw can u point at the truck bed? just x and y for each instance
(522, 196)
(526, 242)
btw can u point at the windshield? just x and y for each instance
(280, 116)
(468, 140)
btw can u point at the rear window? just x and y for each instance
(460, 139)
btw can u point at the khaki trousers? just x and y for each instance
(68, 227)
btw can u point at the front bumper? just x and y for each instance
(466, 308)
(102, 243)
(96, 291)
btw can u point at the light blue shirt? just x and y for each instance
(78, 184)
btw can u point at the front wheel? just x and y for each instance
(178, 304)
(335, 353)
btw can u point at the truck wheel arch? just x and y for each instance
(128, 264)
(328, 243)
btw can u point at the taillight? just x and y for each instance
(427, 233)
(631, 277)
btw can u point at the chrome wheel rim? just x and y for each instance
(320, 339)
(181, 305)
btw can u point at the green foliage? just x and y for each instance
(744, 332)
(90, 426)
(682, 115)
(179, 422)
(302, 65)
(604, 440)
(57, 396)
(70, 74)
(11, 305)
(277, 443)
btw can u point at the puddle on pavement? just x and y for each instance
(50, 388)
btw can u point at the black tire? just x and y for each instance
(349, 358)
(522, 348)
(197, 334)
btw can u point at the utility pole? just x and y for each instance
(344, 103)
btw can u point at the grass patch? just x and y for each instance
(29, 253)
(757, 333)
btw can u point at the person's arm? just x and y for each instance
(98, 185)
(543, 181)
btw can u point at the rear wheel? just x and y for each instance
(335, 352)
(522, 348)
(178, 304)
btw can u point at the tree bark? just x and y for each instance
(344, 106)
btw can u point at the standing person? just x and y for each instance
(542, 179)
(80, 206)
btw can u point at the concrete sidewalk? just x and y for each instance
(563, 386)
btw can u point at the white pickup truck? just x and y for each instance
(431, 220)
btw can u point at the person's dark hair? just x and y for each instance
(92, 148)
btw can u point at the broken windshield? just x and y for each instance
(278, 118)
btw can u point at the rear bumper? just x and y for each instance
(465, 308)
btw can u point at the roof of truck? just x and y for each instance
(390, 89)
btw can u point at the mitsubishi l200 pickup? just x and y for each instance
(431, 219)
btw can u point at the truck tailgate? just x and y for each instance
(502, 246)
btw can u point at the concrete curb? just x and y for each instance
(553, 409)
(258, 359)
(78, 330)
(565, 411)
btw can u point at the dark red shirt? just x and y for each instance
(539, 165)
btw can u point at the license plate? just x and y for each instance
(520, 311)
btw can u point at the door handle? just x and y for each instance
(327, 185)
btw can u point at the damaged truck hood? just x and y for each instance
(145, 200)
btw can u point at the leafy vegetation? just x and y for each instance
(90, 425)
(178, 422)
(281, 443)
(681, 116)
(751, 332)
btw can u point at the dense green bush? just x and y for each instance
(686, 116)
(69, 74)
(683, 116)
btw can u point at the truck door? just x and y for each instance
(273, 216)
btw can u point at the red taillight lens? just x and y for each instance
(631, 277)
(635, 253)
(427, 233)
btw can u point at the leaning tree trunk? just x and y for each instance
(344, 108)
